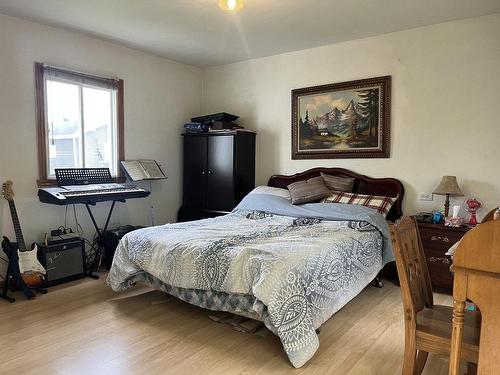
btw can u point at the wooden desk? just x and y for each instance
(476, 264)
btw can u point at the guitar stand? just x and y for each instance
(37, 289)
(95, 263)
(27, 290)
(13, 278)
(5, 290)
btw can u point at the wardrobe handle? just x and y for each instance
(202, 172)
(209, 172)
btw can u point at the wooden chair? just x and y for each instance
(427, 326)
(476, 264)
(489, 216)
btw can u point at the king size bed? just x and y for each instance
(292, 266)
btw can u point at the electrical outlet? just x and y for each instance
(426, 197)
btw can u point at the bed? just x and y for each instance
(290, 266)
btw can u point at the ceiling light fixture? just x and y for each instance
(231, 5)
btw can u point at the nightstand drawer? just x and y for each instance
(439, 269)
(436, 240)
(439, 239)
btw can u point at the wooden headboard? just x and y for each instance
(389, 187)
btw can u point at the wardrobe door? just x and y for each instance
(195, 171)
(220, 189)
(244, 165)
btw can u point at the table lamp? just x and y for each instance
(449, 187)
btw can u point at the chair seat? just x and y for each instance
(434, 326)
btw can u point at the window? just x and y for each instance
(80, 121)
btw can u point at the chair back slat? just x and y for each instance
(412, 268)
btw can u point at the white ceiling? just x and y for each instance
(197, 32)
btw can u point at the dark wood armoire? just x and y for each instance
(219, 170)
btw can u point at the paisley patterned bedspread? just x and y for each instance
(300, 264)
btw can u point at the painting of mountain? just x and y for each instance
(349, 119)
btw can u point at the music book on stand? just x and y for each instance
(138, 170)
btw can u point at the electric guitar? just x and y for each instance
(30, 269)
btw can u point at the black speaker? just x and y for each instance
(64, 260)
(109, 241)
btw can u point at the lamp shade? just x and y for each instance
(448, 185)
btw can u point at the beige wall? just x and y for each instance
(159, 96)
(445, 96)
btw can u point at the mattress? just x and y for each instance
(290, 266)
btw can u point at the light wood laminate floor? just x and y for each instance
(85, 328)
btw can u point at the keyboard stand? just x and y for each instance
(87, 176)
(100, 232)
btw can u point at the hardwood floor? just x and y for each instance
(85, 328)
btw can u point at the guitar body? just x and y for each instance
(31, 270)
(32, 279)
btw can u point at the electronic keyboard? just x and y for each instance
(90, 194)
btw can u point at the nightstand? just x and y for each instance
(436, 240)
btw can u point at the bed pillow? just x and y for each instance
(380, 203)
(338, 183)
(283, 193)
(308, 191)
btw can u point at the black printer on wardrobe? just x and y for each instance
(219, 170)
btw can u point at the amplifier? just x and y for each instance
(64, 260)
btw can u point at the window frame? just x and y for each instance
(41, 119)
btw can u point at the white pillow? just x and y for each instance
(283, 193)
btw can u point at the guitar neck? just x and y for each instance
(17, 226)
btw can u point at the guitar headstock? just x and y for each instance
(7, 191)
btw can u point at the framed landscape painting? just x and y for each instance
(342, 120)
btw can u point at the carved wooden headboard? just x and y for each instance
(389, 187)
